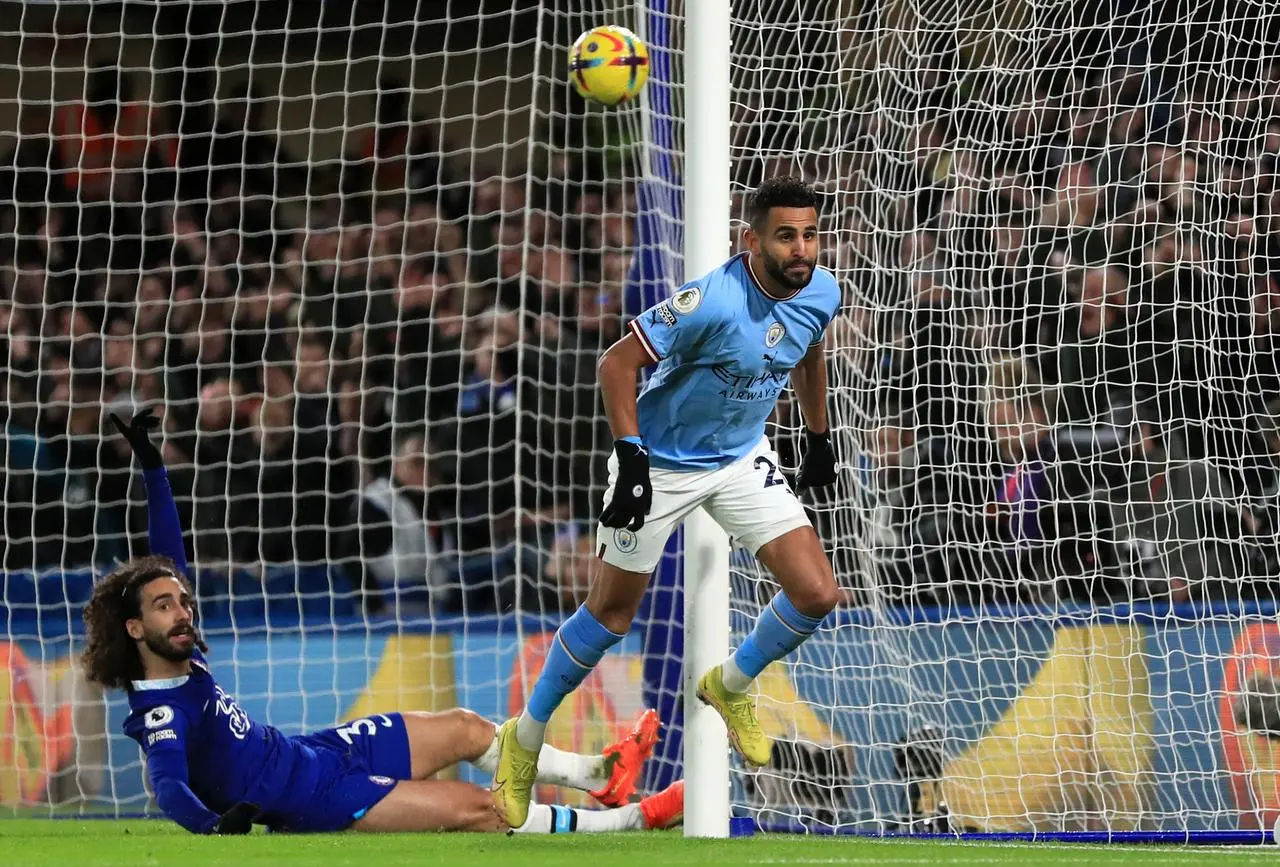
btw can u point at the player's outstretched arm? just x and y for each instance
(164, 531)
(809, 381)
(169, 782)
(163, 733)
(168, 772)
(632, 495)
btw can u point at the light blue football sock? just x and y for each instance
(780, 629)
(580, 643)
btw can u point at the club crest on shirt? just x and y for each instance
(237, 719)
(624, 539)
(158, 717)
(774, 335)
(688, 300)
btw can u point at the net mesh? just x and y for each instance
(366, 264)
(1054, 390)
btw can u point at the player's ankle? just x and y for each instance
(530, 733)
(733, 677)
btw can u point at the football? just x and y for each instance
(609, 65)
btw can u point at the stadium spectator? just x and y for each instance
(220, 454)
(79, 514)
(1094, 341)
(302, 498)
(105, 140)
(246, 156)
(428, 345)
(1186, 530)
(569, 563)
(404, 545)
(399, 152)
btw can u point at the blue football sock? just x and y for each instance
(580, 643)
(779, 630)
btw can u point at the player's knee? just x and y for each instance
(615, 597)
(818, 600)
(617, 621)
(614, 615)
(472, 732)
(828, 598)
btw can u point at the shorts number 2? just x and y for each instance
(772, 477)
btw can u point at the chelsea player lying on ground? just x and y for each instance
(725, 346)
(215, 770)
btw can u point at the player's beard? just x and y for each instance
(778, 271)
(163, 647)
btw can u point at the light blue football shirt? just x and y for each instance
(725, 350)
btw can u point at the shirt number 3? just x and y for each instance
(364, 726)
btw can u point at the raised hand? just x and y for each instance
(138, 433)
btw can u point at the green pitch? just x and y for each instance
(101, 843)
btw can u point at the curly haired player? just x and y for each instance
(215, 770)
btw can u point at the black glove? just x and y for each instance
(818, 467)
(237, 820)
(632, 494)
(138, 433)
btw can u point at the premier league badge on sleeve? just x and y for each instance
(687, 301)
(159, 717)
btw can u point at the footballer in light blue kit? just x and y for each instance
(725, 346)
(215, 770)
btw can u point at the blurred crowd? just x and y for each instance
(371, 382)
(1075, 281)
(1055, 378)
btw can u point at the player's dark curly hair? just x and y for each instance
(110, 655)
(786, 191)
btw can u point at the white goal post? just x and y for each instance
(706, 557)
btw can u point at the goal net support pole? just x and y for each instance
(706, 554)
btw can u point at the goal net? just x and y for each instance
(364, 266)
(1054, 389)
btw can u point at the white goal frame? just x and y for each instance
(706, 555)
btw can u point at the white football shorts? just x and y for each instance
(749, 498)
